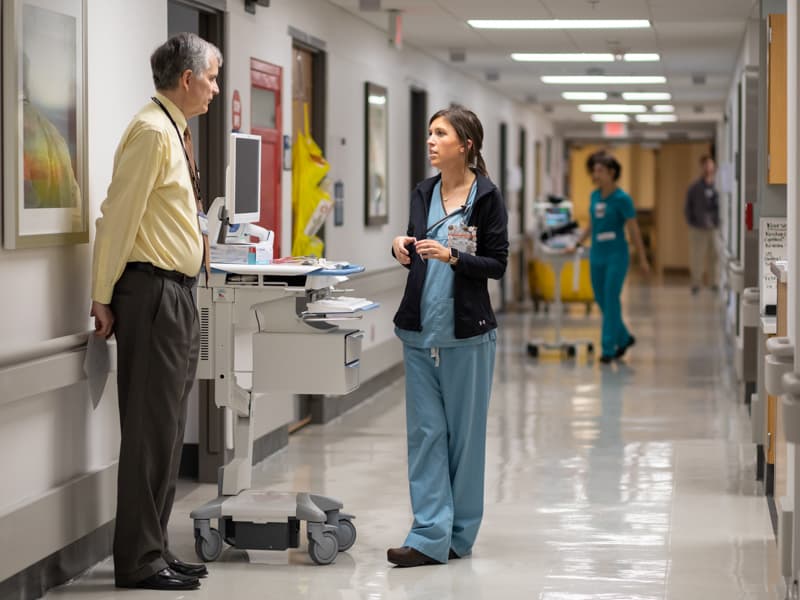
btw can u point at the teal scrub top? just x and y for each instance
(609, 216)
(436, 305)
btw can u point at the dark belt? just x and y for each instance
(175, 276)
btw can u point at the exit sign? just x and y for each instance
(615, 130)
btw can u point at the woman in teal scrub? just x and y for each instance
(456, 240)
(612, 212)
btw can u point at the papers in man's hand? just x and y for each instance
(96, 365)
(342, 304)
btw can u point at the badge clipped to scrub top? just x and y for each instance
(463, 238)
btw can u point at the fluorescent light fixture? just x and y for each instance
(646, 96)
(612, 108)
(603, 79)
(664, 108)
(633, 57)
(610, 118)
(656, 118)
(377, 100)
(561, 57)
(559, 23)
(584, 96)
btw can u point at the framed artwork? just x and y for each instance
(44, 123)
(376, 163)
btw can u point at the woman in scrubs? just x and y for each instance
(612, 212)
(457, 239)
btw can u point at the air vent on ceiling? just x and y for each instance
(369, 4)
(492, 76)
(595, 71)
(531, 99)
(698, 109)
(458, 55)
(698, 78)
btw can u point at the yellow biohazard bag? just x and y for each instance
(311, 201)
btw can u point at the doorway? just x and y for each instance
(204, 440)
(266, 85)
(419, 134)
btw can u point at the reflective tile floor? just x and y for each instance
(633, 481)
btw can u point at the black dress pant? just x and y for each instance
(156, 327)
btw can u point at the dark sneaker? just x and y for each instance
(621, 351)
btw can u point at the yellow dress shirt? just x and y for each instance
(150, 213)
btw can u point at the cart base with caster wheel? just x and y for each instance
(265, 520)
(567, 348)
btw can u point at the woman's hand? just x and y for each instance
(433, 249)
(399, 246)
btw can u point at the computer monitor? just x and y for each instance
(243, 178)
(556, 217)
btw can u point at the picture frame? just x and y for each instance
(45, 191)
(376, 154)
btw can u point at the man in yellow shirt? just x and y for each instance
(147, 254)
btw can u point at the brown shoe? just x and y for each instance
(408, 557)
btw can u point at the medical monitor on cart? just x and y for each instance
(243, 179)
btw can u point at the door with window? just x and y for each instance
(265, 120)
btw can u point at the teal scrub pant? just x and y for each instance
(447, 400)
(607, 279)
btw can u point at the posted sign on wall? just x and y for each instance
(773, 246)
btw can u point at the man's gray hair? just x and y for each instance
(179, 53)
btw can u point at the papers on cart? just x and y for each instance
(340, 305)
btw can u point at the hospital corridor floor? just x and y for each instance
(632, 481)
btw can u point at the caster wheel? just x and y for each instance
(570, 351)
(323, 552)
(345, 534)
(533, 351)
(590, 348)
(208, 549)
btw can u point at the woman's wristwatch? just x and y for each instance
(453, 256)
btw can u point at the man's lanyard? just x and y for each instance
(194, 173)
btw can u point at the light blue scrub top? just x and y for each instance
(609, 215)
(437, 311)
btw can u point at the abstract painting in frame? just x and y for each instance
(44, 123)
(376, 164)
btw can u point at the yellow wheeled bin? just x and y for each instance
(542, 283)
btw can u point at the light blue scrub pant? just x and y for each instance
(446, 408)
(607, 279)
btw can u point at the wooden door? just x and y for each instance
(266, 82)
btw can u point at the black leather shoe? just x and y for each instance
(409, 557)
(190, 569)
(452, 555)
(166, 579)
(605, 359)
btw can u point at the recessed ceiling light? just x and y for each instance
(656, 118)
(561, 57)
(645, 96)
(641, 57)
(377, 100)
(603, 79)
(558, 23)
(610, 118)
(584, 96)
(663, 108)
(612, 108)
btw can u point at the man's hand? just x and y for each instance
(645, 267)
(399, 246)
(103, 319)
